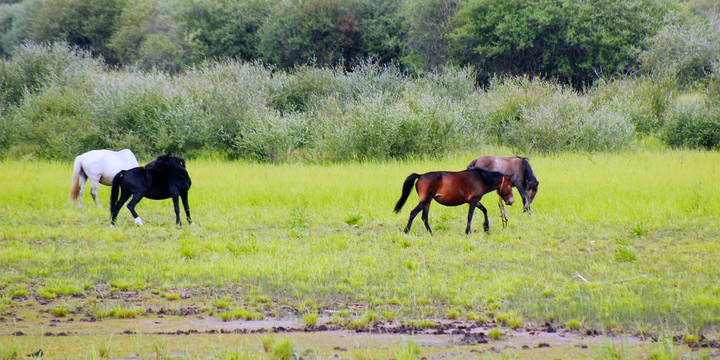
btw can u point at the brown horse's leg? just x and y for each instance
(486, 224)
(426, 215)
(473, 204)
(413, 214)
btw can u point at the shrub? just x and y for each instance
(36, 66)
(684, 51)
(568, 123)
(692, 126)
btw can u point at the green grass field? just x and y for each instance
(617, 243)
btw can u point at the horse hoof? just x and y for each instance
(138, 221)
(112, 225)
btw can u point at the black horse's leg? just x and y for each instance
(473, 204)
(184, 197)
(124, 196)
(413, 214)
(486, 224)
(131, 206)
(176, 206)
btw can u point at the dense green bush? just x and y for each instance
(692, 124)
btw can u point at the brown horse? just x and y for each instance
(453, 189)
(521, 174)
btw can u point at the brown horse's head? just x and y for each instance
(531, 188)
(505, 190)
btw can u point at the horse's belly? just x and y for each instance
(450, 200)
(106, 180)
(158, 196)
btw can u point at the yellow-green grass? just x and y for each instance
(623, 241)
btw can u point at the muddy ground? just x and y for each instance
(184, 329)
(192, 336)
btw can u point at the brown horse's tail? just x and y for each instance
(77, 172)
(407, 187)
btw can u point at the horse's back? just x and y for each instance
(450, 188)
(490, 162)
(506, 165)
(105, 164)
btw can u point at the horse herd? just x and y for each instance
(166, 177)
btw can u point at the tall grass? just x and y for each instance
(56, 102)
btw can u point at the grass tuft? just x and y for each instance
(285, 350)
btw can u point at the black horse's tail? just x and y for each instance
(115, 192)
(407, 186)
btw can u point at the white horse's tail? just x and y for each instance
(77, 171)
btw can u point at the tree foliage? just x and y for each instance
(564, 39)
(570, 41)
(331, 32)
(88, 24)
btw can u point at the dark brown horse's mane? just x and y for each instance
(530, 179)
(489, 177)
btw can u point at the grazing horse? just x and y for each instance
(100, 166)
(453, 189)
(521, 174)
(164, 177)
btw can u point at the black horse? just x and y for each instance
(163, 178)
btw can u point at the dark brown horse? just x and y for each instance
(453, 189)
(521, 174)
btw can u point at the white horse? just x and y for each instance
(100, 166)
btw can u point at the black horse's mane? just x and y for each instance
(174, 165)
